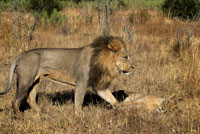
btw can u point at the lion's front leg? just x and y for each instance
(107, 96)
(80, 91)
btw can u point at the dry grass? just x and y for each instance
(160, 70)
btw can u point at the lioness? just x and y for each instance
(147, 102)
(95, 66)
(151, 103)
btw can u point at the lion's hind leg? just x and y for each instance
(26, 70)
(32, 97)
(26, 87)
(21, 94)
(16, 103)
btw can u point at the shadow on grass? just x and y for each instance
(61, 98)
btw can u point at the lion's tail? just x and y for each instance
(12, 69)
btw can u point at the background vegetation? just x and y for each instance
(185, 9)
(165, 51)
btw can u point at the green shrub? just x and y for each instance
(45, 5)
(184, 9)
(5, 5)
(57, 17)
(47, 10)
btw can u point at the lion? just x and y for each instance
(150, 103)
(92, 66)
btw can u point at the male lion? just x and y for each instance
(95, 66)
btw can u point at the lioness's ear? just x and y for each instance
(115, 45)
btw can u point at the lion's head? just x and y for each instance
(110, 58)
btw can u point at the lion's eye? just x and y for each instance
(126, 57)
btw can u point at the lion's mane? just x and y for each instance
(102, 67)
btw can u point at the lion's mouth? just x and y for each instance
(129, 71)
(126, 72)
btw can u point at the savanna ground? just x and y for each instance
(164, 51)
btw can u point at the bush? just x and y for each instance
(47, 10)
(57, 17)
(5, 5)
(184, 9)
(45, 5)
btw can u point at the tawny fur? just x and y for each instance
(146, 102)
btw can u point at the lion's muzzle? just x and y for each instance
(127, 72)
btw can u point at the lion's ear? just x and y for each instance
(115, 45)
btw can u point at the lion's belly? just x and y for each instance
(60, 76)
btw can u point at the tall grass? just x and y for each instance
(160, 70)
